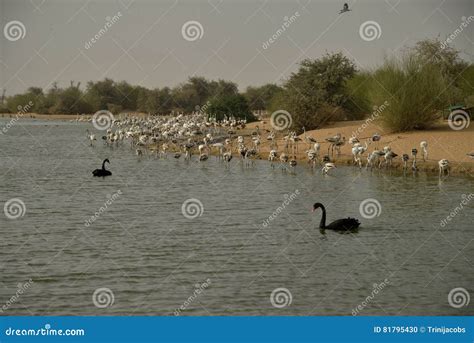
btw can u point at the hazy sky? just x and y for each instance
(145, 45)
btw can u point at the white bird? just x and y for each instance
(424, 147)
(272, 156)
(444, 167)
(227, 156)
(327, 167)
(90, 137)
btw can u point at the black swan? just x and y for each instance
(346, 224)
(103, 171)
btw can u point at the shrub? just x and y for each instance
(230, 106)
(415, 92)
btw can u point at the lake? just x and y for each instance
(171, 237)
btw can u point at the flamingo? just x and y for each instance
(327, 167)
(310, 140)
(333, 140)
(90, 137)
(405, 159)
(424, 147)
(272, 156)
(444, 167)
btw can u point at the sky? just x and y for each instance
(147, 43)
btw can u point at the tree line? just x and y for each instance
(417, 85)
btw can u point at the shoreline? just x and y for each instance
(443, 142)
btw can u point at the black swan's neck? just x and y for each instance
(103, 165)
(322, 223)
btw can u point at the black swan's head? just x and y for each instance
(106, 160)
(317, 205)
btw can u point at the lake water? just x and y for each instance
(142, 256)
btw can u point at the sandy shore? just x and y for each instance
(443, 142)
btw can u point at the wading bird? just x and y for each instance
(443, 167)
(424, 147)
(327, 167)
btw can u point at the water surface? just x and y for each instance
(152, 257)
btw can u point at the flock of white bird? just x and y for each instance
(184, 135)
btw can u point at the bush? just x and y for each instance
(358, 104)
(414, 90)
(230, 106)
(318, 92)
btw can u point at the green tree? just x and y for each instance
(71, 101)
(447, 60)
(317, 92)
(230, 106)
(260, 98)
